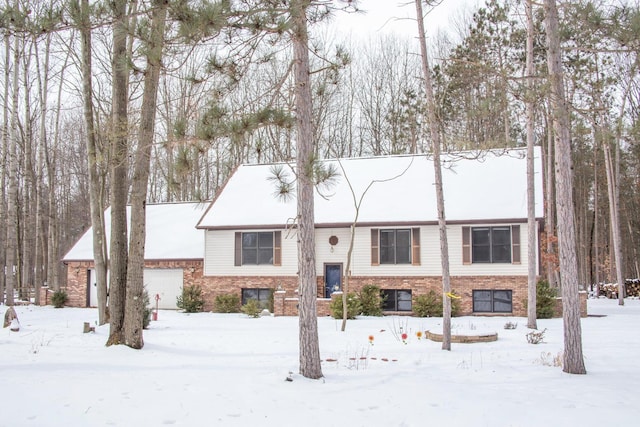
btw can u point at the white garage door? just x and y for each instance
(167, 283)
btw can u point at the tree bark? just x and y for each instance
(5, 167)
(119, 167)
(95, 194)
(573, 357)
(434, 132)
(12, 191)
(40, 240)
(134, 311)
(308, 319)
(531, 210)
(611, 166)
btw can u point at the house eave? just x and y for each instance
(370, 224)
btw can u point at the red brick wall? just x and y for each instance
(285, 302)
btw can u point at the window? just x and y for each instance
(395, 246)
(257, 248)
(499, 244)
(396, 299)
(262, 295)
(493, 301)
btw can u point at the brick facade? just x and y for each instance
(285, 297)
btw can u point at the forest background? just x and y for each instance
(226, 96)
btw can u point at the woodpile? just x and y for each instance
(632, 287)
(610, 290)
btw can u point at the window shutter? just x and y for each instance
(238, 249)
(277, 248)
(415, 246)
(375, 246)
(515, 244)
(466, 245)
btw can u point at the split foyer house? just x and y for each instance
(245, 242)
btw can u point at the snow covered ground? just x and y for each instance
(230, 370)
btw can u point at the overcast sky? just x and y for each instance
(398, 16)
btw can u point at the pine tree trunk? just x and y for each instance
(134, 311)
(308, 319)
(573, 358)
(550, 207)
(119, 167)
(531, 211)
(434, 132)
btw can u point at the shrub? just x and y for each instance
(536, 337)
(545, 300)
(353, 307)
(191, 300)
(227, 303)
(371, 300)
(252, 308)
(146, 312)
(59, 298)
(430, 305)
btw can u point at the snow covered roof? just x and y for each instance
(171, 233)
(477, 187)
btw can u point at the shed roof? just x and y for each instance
(171, 233)
(478, 187)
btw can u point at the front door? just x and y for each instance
(332, 279)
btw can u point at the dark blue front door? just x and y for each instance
(332, 279)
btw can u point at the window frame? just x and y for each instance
(493, 245)
(397, 302)
(264, 296)
(274, 250)
(492, 300)
(386, 250)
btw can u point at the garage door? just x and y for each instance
(167, 283)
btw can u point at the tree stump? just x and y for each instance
(9, 318)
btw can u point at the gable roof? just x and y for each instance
(477, 187)
(171, 233)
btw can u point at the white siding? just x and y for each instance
(485, 269)
(219, 255)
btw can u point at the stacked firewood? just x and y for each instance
(633, 287)
(610, 290)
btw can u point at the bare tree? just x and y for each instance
(531, 211)
(434, 132)
(95, 186)
(573, 358)
(12, 191)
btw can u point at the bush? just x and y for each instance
(252, 308)
(146, 313)
(353, 307)
(59, 298)
(430, 305)
(545, 300)
(191, 300)
(371, 300)
(227, 303)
